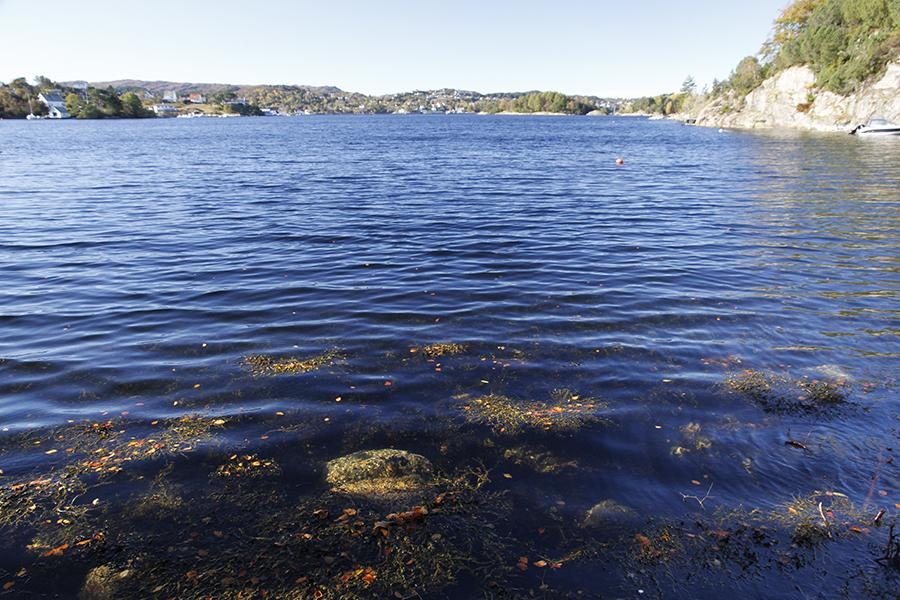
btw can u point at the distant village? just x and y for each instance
(132, 98)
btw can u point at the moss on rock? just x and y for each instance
(379, 472)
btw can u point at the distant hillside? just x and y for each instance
(106, 98)
(160, 87)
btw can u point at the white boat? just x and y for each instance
(656, 118)
(877, 127)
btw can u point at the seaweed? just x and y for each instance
(443, 349)
(778, 393)
(565, 412)
(263, 365)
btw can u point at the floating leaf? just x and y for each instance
(58, 551)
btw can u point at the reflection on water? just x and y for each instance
(675, 376)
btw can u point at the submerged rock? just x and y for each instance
(379, 472)
(541, 461)
(104, 583)
(609, 513)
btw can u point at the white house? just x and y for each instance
(170, 96)
(164, 110)
(55, 103)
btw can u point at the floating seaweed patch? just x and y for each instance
(692, 440)
(785, 394)
(262, 364)
(656, 547)
(247, 466)
(819, 517)
(539, 460)
(565, 411)
(443, 349)
(174, 436)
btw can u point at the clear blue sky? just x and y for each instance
(621, 48)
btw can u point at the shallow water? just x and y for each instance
(143, 261)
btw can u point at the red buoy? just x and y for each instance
(620, 161)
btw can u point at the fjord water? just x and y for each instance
(142, 261)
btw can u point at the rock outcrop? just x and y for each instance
(609, 514)
(790, 100)
(379, 473)
(104, 583)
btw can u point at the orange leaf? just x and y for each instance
(58, 551)
(540, 563)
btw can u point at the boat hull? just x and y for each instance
(879, 132)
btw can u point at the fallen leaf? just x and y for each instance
(58, 551)
(540, 563)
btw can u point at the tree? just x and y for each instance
(689, 85)
(43, 83)
(132, 107)
(747, 76)
(788, 25)
(74, 104)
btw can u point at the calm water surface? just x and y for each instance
(143, 261)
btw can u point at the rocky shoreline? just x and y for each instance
(791, 100)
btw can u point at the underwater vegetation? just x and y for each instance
(181, 508)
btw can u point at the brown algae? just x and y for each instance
(564, 412)
(262, 364)
(443, 349)
(785, 394)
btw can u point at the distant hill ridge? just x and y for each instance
(160, 87)
(105, 99)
